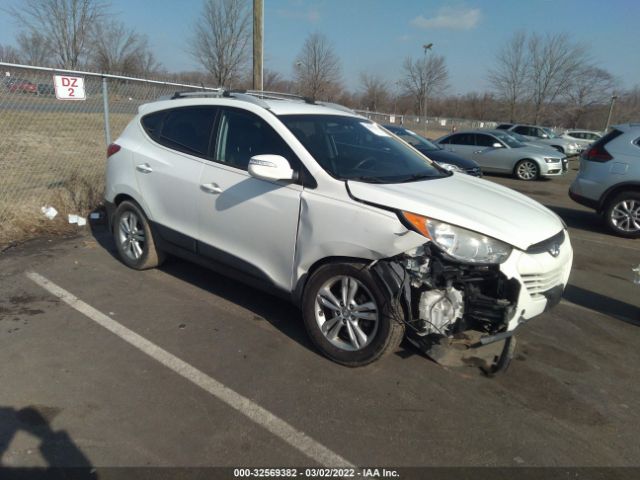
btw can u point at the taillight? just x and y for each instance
(597, 153)
(113, 148)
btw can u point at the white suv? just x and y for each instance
(311, 201)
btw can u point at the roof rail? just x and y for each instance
(216, 92)
(258, 97)
(336, 106)
(279, 96)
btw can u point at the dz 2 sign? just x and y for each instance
(69, 88)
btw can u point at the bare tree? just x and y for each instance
(9, 54)
(509, 77)
(589, 87)
(35, 49)
(220, 40)
(275, 82)
(65, 24)
(118, 49)
(375, 91)
(423, 78)
(553, 61)
(317, 68)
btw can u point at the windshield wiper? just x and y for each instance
(368, 179)
(419, 176)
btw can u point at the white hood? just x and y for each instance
(468, 202)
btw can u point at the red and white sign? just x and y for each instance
(69, 88)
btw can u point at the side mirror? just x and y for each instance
(544, 135)
(270, 167)
(497, 145)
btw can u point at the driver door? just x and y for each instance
(246, 223)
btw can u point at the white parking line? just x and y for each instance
(278, 427)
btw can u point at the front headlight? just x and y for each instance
(551, 160)
(451, 167)
(460, 243)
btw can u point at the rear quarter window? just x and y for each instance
(151, 124)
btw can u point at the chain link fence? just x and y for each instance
(53, 151)
(431, 127)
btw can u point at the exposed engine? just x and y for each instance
(439, 309)
(447, 298)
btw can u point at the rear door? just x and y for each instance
(169, 167)
(462, 144)
(246, 223)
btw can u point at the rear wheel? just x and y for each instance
(349, 318)
(622, 214)
(134, 239)
(527, 170)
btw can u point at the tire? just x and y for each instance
(622, 214)
(365, 327)
(527, 170)
(134, 239)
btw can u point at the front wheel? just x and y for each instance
(622, 214)
(527, 170)
(349, 318)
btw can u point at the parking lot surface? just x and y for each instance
(76, 393)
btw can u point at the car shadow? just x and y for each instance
(580, 219)
(55, 446)
(280, 313)
(600, 303)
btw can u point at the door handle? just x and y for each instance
(211, 188)
(144, 168)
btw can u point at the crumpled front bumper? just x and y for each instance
(542, 277)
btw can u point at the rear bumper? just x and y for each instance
(587, 202)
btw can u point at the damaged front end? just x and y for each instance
(456, 313)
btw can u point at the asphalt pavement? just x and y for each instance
(101, 365)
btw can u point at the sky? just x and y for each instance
(377, 35)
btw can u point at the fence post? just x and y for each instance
(105, 101)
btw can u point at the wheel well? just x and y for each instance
(122, 197)
(615, 191)
(298, 292)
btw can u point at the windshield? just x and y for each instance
(412, 138)
(507, 138)
(518, 137)
(351, 148)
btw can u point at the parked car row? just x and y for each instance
(22, 85)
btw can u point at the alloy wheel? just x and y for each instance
(347, 313)
(131, 235)
(625, 216)
(527, 170)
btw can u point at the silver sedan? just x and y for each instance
(496, 151)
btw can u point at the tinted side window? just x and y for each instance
(188, 129)
(152, 123)
(484, 140)
(242, 135)
(462, 139)
(522, 130)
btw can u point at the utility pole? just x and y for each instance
(426, 47)
(613, 100)
(258, 44)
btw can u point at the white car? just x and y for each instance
(370, 238)
(583, 138)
